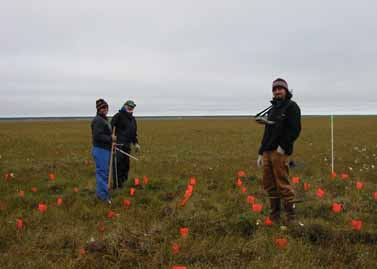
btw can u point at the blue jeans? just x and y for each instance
(102, 158)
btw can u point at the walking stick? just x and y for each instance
(110, 178)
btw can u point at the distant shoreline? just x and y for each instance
(166, 117)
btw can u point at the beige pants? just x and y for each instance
(276, 176)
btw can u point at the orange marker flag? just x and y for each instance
(20, 224)
(42, 208)
(137, 181)
(59, 201)
(82, 252)
(192, 181)
(306, 186)
(295, 180)
(178, 267)
(132, 191)
(21, 194)
(111, 214)
(146, 180)
(357, 225)
(239, 182)
(320, 193)
(175, 248)
(250, 199)
(344, 176)
(126, 203)
(184, 231)
(337, 208)
(257, 208)
(76, 189)
(281, 243)
(244, 189)
(375, 196)
(101, 228)
(268, 221)
(34, 189)
(359, 185)
(333, 175)
(51, 176)
(241, 173)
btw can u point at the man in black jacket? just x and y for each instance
(282, 128)
(126, 133)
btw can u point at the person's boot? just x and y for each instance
(290, 212)
(275, 210)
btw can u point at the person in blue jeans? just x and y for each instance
(102, 139)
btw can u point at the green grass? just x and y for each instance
(223, 229)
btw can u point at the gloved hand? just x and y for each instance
(137, 147)
(260, 161)
(280, 150)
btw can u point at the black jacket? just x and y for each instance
(101, 132)
(287, 128)
(126, 128)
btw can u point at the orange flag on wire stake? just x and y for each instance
(20, 224)
(192, 181)
(375, 196)
(250, 199)
(21, 194)
(359, 185)
(268, 221)
(51, 176)
(239, 182)
(59, 201)
(132, 191)
(320, 192)
(357, 225)
(178, 267)
(295, 180)
(137, 182)
(337, 208)
(281, 243)
(344, 176)
(146, 180)
(175, 248)
(126, 203)
(306, 186)
(257, 208)
(184, 231)
(42, 208)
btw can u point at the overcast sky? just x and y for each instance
(186, 57)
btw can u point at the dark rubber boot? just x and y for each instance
(290, 211)
(275, 210)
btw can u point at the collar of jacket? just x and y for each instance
(279, 103)
(102, 116)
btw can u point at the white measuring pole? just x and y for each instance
(332, 143)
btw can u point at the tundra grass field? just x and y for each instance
(223, 230)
